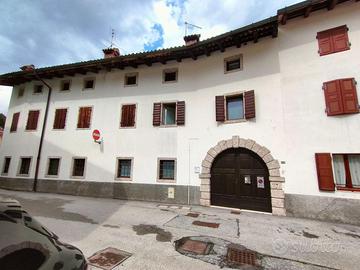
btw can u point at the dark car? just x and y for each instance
(27, 245)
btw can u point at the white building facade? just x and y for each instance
(267, 121)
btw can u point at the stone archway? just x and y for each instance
(276, 181)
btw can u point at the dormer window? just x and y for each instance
(131, 79)
(234, 63)
(38, 89)
(170, 75)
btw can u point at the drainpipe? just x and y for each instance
(189, 171)
(31, 68)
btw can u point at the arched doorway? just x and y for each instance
(240, 179)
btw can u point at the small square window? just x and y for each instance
(6, 167)
(21, 91)
(78, 169)
(24, 166)
(166, 169)
(131, 79)
(170, 75)
(53, 167)
(169, 113)
(38, 89)
(233, 63)
(65, 85)
(234, 107)
(124, 168)
(89, 83)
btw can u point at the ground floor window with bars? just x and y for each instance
(347, 170)
(167, 169)
(53, 167)
(78, 168)
(24, 168)
(124, 168)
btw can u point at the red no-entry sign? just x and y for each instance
(96, 134)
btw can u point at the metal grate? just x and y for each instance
(194, 215)
(108, 258)
(241, 256)
(206, 224)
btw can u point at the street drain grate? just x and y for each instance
(194, 215)
(238, 256)
(195, 247)
(108, 258)
(206, 224)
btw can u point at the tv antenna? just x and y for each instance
(191, 25)
(112, 37)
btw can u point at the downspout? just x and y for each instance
(189, 171)
(42, 131)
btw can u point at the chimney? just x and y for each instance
(191, 39)
(111, 52)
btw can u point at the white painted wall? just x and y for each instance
(286, 74)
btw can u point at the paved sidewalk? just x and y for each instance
(148, 231)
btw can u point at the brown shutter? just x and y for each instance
(324, 171)
(36, 119)
(349, 96)
(128, 115)
(84, 117)
(15, 121)
(325, 43)
(220, 108)
(60, 118)
(249, 100)
(332, 92)
(156, 114)
(340, 39)
(32, 122)
(80, 118)
(180, 113)
(132, 114)
(88, 111)
(124, 111)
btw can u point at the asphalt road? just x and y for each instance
(149, 230)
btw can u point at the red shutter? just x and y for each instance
(84, 117)
(88, 117)
(324, 171)
(325, 42)
(180, 113)
(220, 108)
(33, 118)
(128, 115)
(80, 118)
(15, 121)
(60, 118)
(340, 39)
(156, 114)
(332, 92)
(349, 95)
(249, 100)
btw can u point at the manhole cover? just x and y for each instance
(206, 224)
(241, 256)
(194, 215)
(196, 247)
(108, 258)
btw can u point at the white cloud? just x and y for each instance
(5, 94)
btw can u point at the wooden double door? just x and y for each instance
(240, 179)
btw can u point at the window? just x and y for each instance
(65, 85)
(341, 97)
(21, 91)
(124, 168)
(128, 115)
(32, 121)
(38, 88)
(235, 107)
(347, 170)
(168, 114)
(333, 40)
(24, 168)
(6, 165)
(233, 63)
(131, 79)
(53, 167)
(170, 75)
(89, 83)
(84, 118)
(167, 169)
(14, 122)
(60, 118)
(78, 169)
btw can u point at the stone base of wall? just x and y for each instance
(323, 208)
(115, 190)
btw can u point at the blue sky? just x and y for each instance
(47, 33)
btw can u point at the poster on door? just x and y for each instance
(260, 182)
(247, 179)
